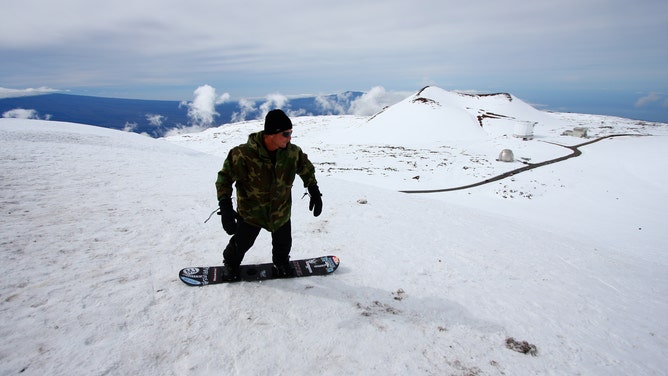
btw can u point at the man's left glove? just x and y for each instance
(315, 204)
(228, 216)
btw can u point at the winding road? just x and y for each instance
(528, 166)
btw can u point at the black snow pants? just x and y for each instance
(244, 238)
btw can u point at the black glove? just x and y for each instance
(315, 204)
(228, 216)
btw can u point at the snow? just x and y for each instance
(570, 257)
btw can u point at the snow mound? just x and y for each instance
(425, 117)
(494, 106)
(437, 116)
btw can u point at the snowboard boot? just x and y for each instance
(231, 273)
(284, 270)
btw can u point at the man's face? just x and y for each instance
(279, 140)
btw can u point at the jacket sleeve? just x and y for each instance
(226, 178)
(306, 170)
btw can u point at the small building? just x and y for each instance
(506, 155)
(524, 130)
(576, 132)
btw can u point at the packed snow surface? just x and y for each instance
(570, 257)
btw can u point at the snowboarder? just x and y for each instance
(263, 170)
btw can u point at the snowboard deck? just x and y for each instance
(211, 275)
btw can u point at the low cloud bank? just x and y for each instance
(21, 113)
(12, 93)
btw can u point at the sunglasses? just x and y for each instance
(287, 134)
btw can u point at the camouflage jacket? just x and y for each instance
(264, 188)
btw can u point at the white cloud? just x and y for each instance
(295, 113)
(246, 107)
(20, 113)
(155, 120)
(332, 106)
(375, 100)
(130, 126)
(223, 98)
(202, 110)
(648, 99)
(185, 130)
(273, 101)
(11, 93)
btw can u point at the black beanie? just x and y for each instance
(276, 121)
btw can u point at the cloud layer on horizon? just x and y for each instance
(162, 49)
(202, 112)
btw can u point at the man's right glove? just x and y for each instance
(228, 216)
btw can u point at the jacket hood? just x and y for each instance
(256, 143)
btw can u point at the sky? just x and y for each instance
(598, 56)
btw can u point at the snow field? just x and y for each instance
(97, 223)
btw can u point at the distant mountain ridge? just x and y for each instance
(157, 117)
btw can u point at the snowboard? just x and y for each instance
(211, 275)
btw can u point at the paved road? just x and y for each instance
(528, 166)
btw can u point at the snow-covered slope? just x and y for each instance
(421, 119)
(569, 257)
(436, 116)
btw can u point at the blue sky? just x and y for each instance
(609, 56)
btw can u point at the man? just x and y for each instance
(263, 170)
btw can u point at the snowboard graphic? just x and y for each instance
(210, 275)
